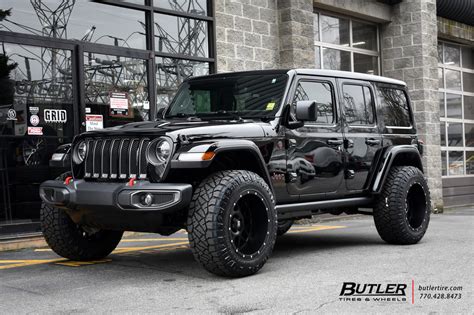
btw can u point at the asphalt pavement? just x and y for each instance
(149, 273)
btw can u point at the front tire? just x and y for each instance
(402, 211)
(232, 223)
(72, 241)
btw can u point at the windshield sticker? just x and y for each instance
(270, 106)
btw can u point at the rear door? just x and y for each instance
(314, 151)
(361, 134)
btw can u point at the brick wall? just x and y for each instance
(246, 35)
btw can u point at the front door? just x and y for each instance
(314, 151)
(361, 135)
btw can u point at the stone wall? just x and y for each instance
(246, 35)
(296, 33)
(409, 53)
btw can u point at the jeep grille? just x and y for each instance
(116, 158)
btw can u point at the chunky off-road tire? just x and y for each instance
(402, 210)
(232, 223)
(70, 240)
(284, 226)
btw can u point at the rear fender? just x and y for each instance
(407, 155)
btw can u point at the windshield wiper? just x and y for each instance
(188, 117)
(223, 113)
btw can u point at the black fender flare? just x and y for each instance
(219, 147)
(389, 157)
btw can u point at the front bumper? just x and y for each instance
(104, 196)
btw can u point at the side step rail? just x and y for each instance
(302, 209)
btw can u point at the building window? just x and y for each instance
(456, 108)
(77, 65)
(177, 35)
(80, 20)
(346, 44)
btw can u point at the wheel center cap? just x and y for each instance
(236, 225)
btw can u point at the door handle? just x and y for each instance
(372, 141)
(334, 142)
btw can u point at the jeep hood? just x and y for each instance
(193, 130)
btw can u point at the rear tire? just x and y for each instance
(402, 211)
(232, 223)
(72, 241)
(284, 226)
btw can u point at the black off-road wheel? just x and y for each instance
(72, 241)
(232, 223)
(402, 211)
(284, 226)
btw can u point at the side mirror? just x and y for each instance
(306, 110)
(160, 113)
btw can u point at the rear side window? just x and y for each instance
(395, 109)
(322, 94)
(358, 105)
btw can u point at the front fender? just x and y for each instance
(394, 156)
(202, 154)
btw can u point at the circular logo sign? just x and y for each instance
(11, 114)
(34, 120)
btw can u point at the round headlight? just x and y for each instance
(163, 151)
(159, 151)
(80, 152)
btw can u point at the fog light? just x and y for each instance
(147, 200)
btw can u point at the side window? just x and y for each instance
(395, 107)
(321, 92)
(358, 104)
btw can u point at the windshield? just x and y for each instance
(243, 96)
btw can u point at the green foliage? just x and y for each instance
(5, 13)
(5, 66)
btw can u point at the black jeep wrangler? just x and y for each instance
(236, 158)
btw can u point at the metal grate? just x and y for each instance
(116, 158)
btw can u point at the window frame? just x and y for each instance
(446, 149)
(374, 108)
(410, 109)
(320, 44)
(333, 98)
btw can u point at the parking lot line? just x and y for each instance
(29, 262)
(71, 263)
(154, 239)
(183, 243)
(317, 228)
(142, 248)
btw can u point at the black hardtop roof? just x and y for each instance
(315, 72)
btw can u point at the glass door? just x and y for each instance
(116, 90)
(37, 114)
